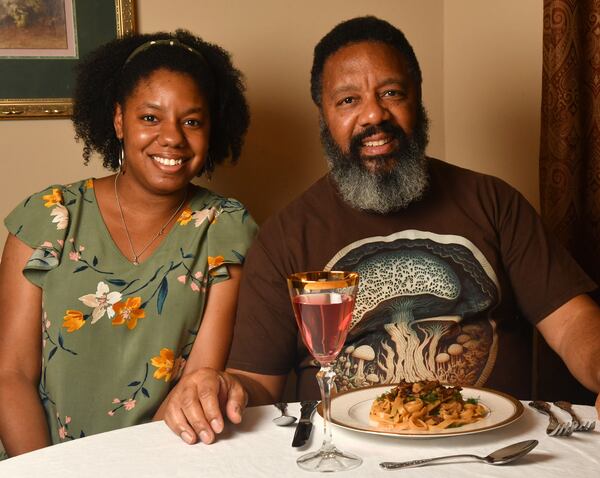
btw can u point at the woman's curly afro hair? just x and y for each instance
(108, 75)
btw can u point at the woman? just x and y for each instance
(134, 275)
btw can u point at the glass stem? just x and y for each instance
(325, 378)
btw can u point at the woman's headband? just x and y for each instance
(167, 42)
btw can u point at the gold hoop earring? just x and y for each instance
(121, 157)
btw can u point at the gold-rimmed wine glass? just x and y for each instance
(323, 302)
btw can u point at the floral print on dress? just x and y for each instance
(54, 198)
(61, 217)
(214, 262)
(58, 343)
(63, 428)
(198, 282)
(59, 213)
(73, 320)
(167, 366)
(45, 326)
(128, 312)
(209, 215)
(102, 302)
(185, 217)
(130, 402)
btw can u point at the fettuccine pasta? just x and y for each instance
(424, 406)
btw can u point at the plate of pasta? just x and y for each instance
(423, 409)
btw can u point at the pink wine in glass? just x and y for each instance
(323, 320)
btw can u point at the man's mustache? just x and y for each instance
(388, 128)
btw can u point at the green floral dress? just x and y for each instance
(116, 336)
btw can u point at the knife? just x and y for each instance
(304, 426)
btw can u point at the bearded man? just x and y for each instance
(454, 265)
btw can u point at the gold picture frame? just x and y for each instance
(32, 81)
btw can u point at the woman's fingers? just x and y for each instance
(177, 422)
(237, 399)
(193, 410)
(197, 419)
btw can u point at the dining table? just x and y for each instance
(257, 448)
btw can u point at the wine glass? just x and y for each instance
(323, 302)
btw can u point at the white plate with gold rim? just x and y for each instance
(351, 409)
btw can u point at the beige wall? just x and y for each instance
(492, 88)
(481, 73)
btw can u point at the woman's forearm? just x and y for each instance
(23, 425)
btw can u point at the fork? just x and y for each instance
(555, 428)
(581, 426)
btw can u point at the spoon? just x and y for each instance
(498, 457)
(284, 420)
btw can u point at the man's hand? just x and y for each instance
(194, 409)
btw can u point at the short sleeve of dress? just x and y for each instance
(41, 221)
(231, 232)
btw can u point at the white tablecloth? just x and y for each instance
(259, 448)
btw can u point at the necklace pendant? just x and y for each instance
(160, 232)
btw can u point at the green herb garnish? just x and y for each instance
(430, 397)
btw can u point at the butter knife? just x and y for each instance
(304, 426)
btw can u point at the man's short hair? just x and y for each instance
(359, 29)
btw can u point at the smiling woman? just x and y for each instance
(122, 266)
(166, 119)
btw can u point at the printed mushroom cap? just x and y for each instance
(442, 357)
(455, 349)
(373, 378)
(364, 352)
(462, 338)
(424, 279)
(349, 349)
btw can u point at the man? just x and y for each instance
(452, 263)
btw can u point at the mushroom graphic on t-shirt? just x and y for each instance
(416, 299)
(362, 353)
(408, 282)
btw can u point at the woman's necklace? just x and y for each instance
(136, 256)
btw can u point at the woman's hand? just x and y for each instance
(196, 407)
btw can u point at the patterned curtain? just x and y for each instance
(570, 139)
(570, 157)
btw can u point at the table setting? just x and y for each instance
(258, 447)
(421, 429)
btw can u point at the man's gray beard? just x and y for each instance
(381, 192)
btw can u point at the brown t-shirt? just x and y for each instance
(447, 285)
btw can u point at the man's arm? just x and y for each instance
(573, 332)
(261, 389)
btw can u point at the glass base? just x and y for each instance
(328, 460)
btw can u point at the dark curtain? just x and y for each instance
(570, 150)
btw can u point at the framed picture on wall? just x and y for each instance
(41, 42)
